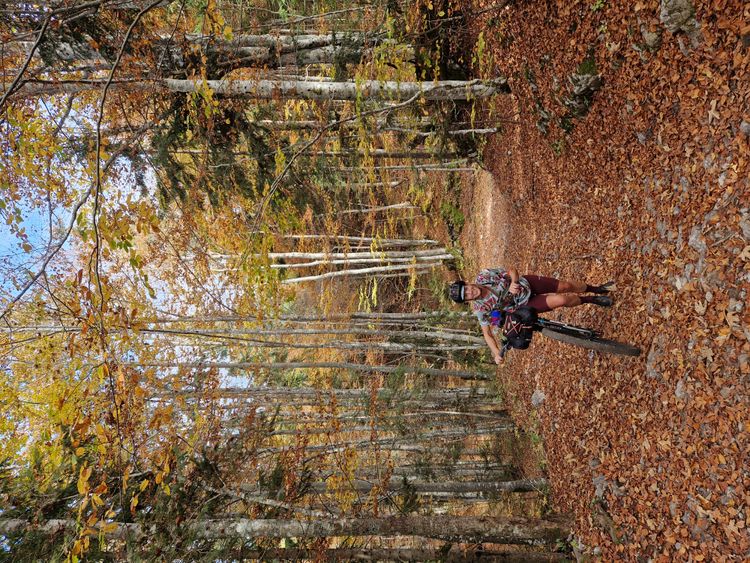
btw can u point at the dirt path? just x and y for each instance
(488, 226)
(494, 198)
(650, 188)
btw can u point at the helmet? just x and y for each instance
(456, 291)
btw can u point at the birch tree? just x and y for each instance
(451, 528)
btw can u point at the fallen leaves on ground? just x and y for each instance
(651, 189)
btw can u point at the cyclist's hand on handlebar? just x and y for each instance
(515, 288)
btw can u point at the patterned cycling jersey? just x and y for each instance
(498, 282)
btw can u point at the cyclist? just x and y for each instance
(505, 290)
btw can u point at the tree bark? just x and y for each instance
(375, 154)
(284, 43)
(464, 529)
(355, 261)
(350, 91)
(443, 488)
(187, 339)
(455, 555)
(460, 394)
(438, 334)
(478, 473)
(291, 89)
(470, 375)
(385, 254)
(380, 242)
(363, 272)
(309, 125)
(406, 334)
(395, 442)
(382, 154)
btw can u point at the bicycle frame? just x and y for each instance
(572, 329)
(541, 323)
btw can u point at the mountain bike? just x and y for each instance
(575, 335)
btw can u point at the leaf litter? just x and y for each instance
(650, 188)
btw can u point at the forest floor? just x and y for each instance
(650, 188)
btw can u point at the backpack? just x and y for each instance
(519, 327)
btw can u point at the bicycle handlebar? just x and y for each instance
(504, 350)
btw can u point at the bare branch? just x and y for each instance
(26, 64)
(100, 117)
(38, 41)
(74, 216)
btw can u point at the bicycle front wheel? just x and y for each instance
(598, 344)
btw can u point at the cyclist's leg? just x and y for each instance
(549, 301)
(567, 286)
(543, 284)
(546, 294)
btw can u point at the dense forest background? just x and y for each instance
(228, 230)
(225, 335)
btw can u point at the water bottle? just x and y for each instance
(495, 317)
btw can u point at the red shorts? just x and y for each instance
(540, 286)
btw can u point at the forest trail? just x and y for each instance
(488, 225)
(649, 188)
(492, 197)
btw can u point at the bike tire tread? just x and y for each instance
(598, 344)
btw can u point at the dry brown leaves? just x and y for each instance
(651, 189)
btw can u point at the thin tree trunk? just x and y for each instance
(353, 257)
(455, 555)
(443, 488)
(360, 272)
(450, 132)
(405, 334)
(435, 416)
(417, 167)
(439, 473)
(351, 91)
(291, 89)
(437, 334)
(274, 366)
(380, 154)
(426, 420)
(369, 185)
(395, 442)
(384, 345)
(308, 125)
(457, 394)
(385, 255)
(375, 154)
(380, 242)
(242, 57)
(298, 265)
(464, 529)
(284, 43)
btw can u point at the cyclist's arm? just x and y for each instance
(489, 338)
(514, 287)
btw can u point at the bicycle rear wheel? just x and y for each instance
(598, 344)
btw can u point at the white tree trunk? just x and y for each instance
(457, 554)
(440, 488)
(292, 89)
(465, 529)
(469, 375)
(362, 272)
(351, 91)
